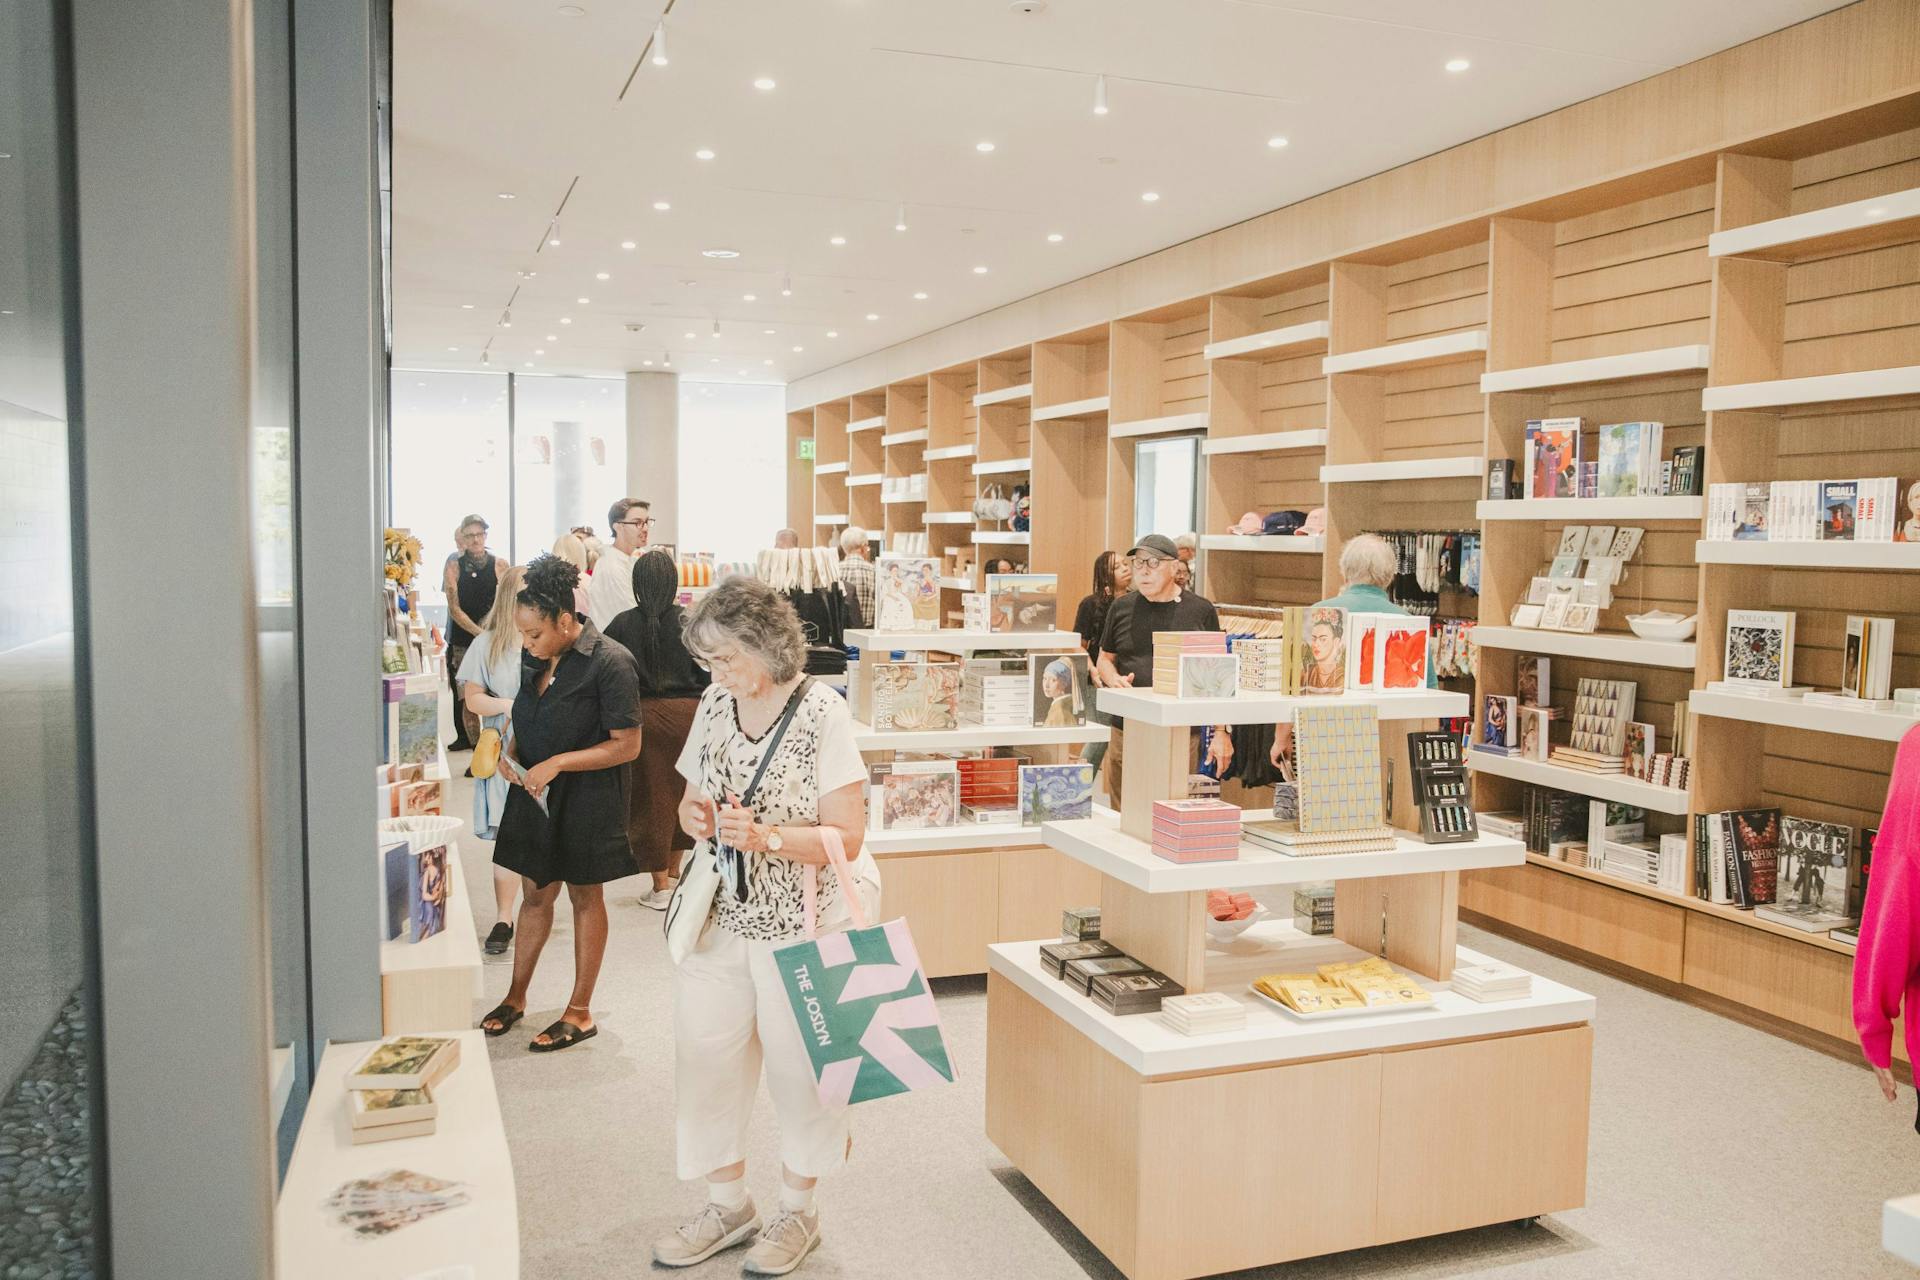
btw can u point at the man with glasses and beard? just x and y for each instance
(1156, 603)
(610, 589)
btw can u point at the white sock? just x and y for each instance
(794, 1200)
(728, 1195)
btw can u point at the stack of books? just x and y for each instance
(390, 1093)
(1204, 1013)
(1196, 830)
(1194, 664)
(1504, 823)
(973, 611)
(1263, 665)
(1287, 838)
(995, 691)
(1492, 982)
(1055, 956)
(1313, 910)
(1078, 924)
(1803, 510)
(1124, 993)
(990, 788)
(1079, 974)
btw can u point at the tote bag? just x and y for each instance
(862, 1002)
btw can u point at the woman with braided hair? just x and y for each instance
(576, 726)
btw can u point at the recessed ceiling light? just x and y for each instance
(553, 338)
(920, 297)
(749, 297)
(768, 332)
(466, 306)
(539, 351)
(713, 360)
(1276, 142)
(1149, 196)
(1458, 64)
(647, 363)
(689, 334)
(716, 253)
(628, 244)
(566, 319)
(766, 362)
(527, 365)
(601, 275)
(979, 271)
(508, 195)
(704, 153)
(837, 241)
(453, 348)
(661, 206)
(572, 11)
(764, 84)
(798, 350)
(6, 155)
(1878, 211)
(833, 333)
(873, 315)
(1054, 237)
(554, 243)
(983, 146)
(585, 302)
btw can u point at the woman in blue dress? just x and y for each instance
(489, 680)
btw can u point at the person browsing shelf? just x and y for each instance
(1112, 578)
(471, 580)
(856, 572)
(731, 1015)
(1367, 568)
(610, 589)
(1886, 961)
(670, 687)
(489, 681)
(1156, 603)
(576, 727)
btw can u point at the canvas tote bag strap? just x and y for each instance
(794, 700)
(837, 855)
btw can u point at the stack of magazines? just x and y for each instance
(1204, 1013)
(1492, 981)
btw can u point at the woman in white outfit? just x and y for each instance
(731, 1015)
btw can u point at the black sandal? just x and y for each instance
(499, 938)
(562, 1035)
(504, 1014)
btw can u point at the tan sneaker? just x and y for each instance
(784, 1243)
(710, 1231)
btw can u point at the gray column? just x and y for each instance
(653, 448)
(571, 501)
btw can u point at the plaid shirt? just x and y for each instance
(856, 575)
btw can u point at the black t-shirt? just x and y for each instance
(1090, 621)
(665, 668)
(1133, 619)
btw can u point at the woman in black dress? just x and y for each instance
(1112, 578)
(576, 725)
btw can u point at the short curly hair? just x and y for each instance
(754, 616)
(549, 585)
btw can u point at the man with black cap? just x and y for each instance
(1156, 603)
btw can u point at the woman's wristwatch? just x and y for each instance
(773, 840)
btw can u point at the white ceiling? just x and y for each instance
(881, 102)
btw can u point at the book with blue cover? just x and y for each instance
(1839, 509)
(1055, 793)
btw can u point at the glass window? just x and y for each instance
(733, 440)
(450, 460)
(1166, 486)
(569, 458)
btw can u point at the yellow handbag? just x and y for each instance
(486, 754)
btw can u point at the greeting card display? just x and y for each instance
(906, 594)
(1055, 793)
(1062, 689)
(917, 794)
(1022, 601)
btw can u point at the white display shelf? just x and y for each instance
(453, 948)
(1145, 1043)
(1900, 1228)
(901, 499)
(1591, 510)
(1474, 466)
(1166, 425)
(1797, 713)
(1609, 646)
(1091, 407)
(1272, 344)
(1601, 786)
(1811, 555)
(839, 519)
(1860, 224)
(1148, 707)
(1003, 466)
(859, 482)
(867, 738)
(1826, 388)
(831, 468)
(1284, 544)
(904, 437)
(949, 452)
(1001, 537)
(1101, 844)
(973, 835)
(957, 584)
(468, 1145)
(1005, 395)
(867, 424)
(1448, 348)
(1266, 442)
(1574, 373)
(952, 641)
(949, 517)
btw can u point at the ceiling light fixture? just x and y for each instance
(837, 241)
(572, 11)
(983, 146)
(506, 195)
(764, 84)
(920, 297)
(900, 218)
(552, 338)
(553, 242)
(602, 275)
(647, 363)
(1276, 142)
(717, 253)
(768, 332)
(798, 350)
(786, 285)
(585, 302)
(466, 306)
(749, 297)
(873, 315)
(688, 334)
(766, 362)
(1150, 196)
(704, 153)
(566, 319)
(539, 351)
(661, 206)
(713, 360)
(628, 244)
(506, 318)
(453, 348)
(486, 357)
(528, 365)
(658, 45)
(1457, 65)
(1099, 95)
(979, 271)
(1054, 237)
(833, 333)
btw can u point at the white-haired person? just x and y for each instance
(1367, 568)
(856, 571)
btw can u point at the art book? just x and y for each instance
(1055, 793)
(906, 594)
(416, 736)
(1553, 454)
(1022, 601)
(1209, 675)
(1535, 681)
(1363, 650)
(1811, 881)
(1062, 689)
(1750, 517)
(398, 883)
(1403, 652)
(427, 907)
(1498, 729)
(1337, 759)
(1623, 459)
(1839, 509)
(405, 1062)
(915, 696)
(1323, 657)
(1754, 848)
(1639, 750)
(1759, 648)
(1534, 729)
(1866, 668)
(917, 794)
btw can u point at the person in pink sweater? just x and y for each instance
(1886, 964)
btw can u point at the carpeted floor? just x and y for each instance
(1717, 1150)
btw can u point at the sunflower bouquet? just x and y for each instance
(403, 557)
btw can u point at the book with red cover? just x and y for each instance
(1755, 850)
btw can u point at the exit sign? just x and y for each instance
(803, 449)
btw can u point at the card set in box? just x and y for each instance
(1196, 830)
(1055, 955)
(1022, 601)
(915, 696)
(1127, 993)
(1055, 793)
(1337, 753)
(906, 594)
(918, 794)
(1062, 689)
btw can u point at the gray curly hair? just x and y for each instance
(751, 614)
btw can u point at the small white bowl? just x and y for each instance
(1660, 625)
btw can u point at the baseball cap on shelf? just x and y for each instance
(1158, 543)
(470, 521)
(1249, 523)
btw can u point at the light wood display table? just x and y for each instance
(431, 986)
(1184, 1156)
(964, 888)
(468, 1146)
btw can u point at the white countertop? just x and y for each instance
(1101, 844)
(958, 838)
(1149, 707)
(951, 641)
(454, 947)
(867, 738)
(1149, 1046)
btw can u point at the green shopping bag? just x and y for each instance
(862, 1002)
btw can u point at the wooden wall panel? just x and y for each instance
(1183, 369)
(1295, 306)
(1633, 278)
(1624, 927)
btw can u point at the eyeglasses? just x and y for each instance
(708, 661)
(638, 524)
(1149, 563)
